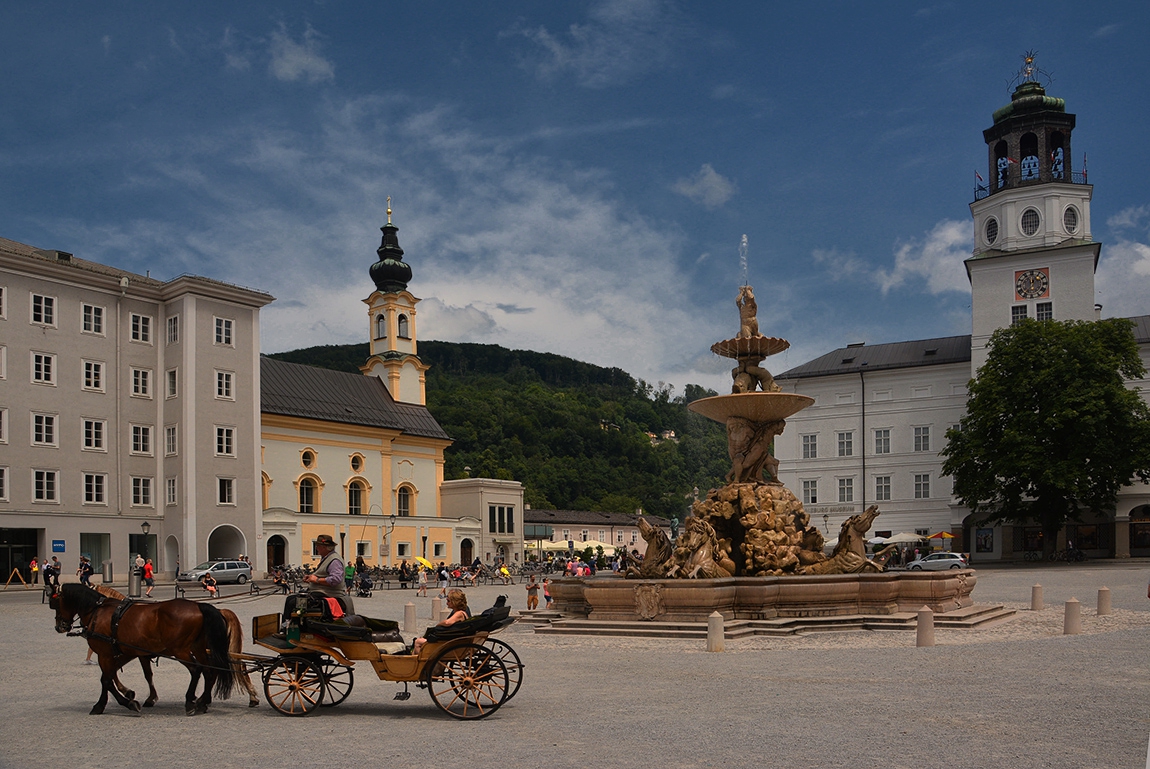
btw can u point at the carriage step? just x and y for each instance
(403, 695)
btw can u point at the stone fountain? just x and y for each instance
(748, 550)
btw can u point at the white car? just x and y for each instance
(938, 562)
(222, 571)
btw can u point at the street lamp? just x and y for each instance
(145, 527)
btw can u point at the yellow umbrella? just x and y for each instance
(425, 562)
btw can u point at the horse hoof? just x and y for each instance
(190, 711)
(129, 694)
(95, 711)
(253, 703)
(149, 703)
(133, 705)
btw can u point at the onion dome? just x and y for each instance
(390, 274)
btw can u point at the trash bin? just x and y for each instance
(107, 572)
(135, 576)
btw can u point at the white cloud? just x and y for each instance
(707, 187)
(1132, 217)
(621, 40)
(233, 56)
(1107, 30)
(937, 259)
(1122, 283)
(291, 60)
(839, 264)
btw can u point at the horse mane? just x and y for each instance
(80, 598)
(104, 590)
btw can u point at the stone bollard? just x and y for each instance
(1036, 598)
(715, 632)
(409, 617)
(925, 634)
(443, 614)
(1072, 624)
(1103, 601)
(436, 607)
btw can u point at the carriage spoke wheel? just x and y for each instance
(468, 681)
(337, 682)
(510, 660)
(294, 686)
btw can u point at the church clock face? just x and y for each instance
(1031, 284)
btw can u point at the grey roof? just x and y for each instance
(1141, 328)
(293, 389)
(589, 518)
(877, 357)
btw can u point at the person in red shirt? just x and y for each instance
(149, 577)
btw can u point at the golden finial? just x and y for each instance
(389, 209)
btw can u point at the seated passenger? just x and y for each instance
(457, 602)
(209, 584)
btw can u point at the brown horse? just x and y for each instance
(194, 634)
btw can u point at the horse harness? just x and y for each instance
(122, 607)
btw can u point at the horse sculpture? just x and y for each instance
(118, 631)
(849, 556)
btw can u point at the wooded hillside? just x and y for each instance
(575, 434)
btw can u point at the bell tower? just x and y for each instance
(391, 323)
(1034, 256)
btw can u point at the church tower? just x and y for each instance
(1034, 256)
(391, 323)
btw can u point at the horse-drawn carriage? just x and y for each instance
(467, 673)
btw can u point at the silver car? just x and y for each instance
(222, 571)
(938, 562)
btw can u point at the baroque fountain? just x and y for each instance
(748, 550)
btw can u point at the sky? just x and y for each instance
(568, 177)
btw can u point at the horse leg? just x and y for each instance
(109, 667)
(205, 699)
(190, 695)
(146, 664)
(122, 688)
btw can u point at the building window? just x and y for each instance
(3, 303)
(501, 520)
(171, 383)
(142, 383)
(170, 491)
(380, 327)
(3, 362)
(355, 498)
(846, 444)
(403, 549)
(882, 488)
(3, 425)
(171, 444)
(1044, 311)
(1017, 314)
(92, 319)
(922, 439)
(846, 489)
(810, 447)
(403, 332)
(882, 441)
(43, 368)
(94, 434)
(810, 492)
(227, 491)
(174, 329)
(403, 502)
(922, 486)
(94, 484)
(1030, 222)
(142, 492)
(4, 484)
(307, 496)
(44, 486)
(224, 331)
(225, 441)
(307, 459)
(224, 385)
(356, 463)
(363, 549)
(44, 310)
(439, 549)
(93, 375)
(141, 439)
(141, 328)
(43, 429)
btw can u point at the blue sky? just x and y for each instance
(570, 177)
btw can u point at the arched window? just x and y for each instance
(1028, 148)
(355, 498)
(380, 327)
(403, 332)
(403, 502)
(1002, 164)
(1057, 156)
(307, 496)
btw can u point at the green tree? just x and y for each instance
(1051, 428)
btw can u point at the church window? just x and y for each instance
(380, 327)
(1070, 220)
(403, 328)
(1030, 222)
(991, 231)
(1017, 314)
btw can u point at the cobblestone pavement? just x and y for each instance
(1019, 694)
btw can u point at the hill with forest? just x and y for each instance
(578, 436)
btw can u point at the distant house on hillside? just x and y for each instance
(588, 526)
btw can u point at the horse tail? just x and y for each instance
(215, 633)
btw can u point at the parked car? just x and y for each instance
(938, 562)
(222, 571)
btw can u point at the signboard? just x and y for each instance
(537, 531)
(58, 546)
(570, 544)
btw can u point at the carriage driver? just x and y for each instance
(327, 579)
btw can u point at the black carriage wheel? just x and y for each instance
(467, 681)
(337, 682)
(510, 660)
(294, 686)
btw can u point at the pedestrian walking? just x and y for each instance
(547, 593)
(149, 577)
(422, 580)
(532, 593)
(35, 567)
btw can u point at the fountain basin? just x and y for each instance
(692, 600)
(754, 406)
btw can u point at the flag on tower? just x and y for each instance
(1083, 166)
(978, 176)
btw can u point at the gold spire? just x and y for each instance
(389, 209)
